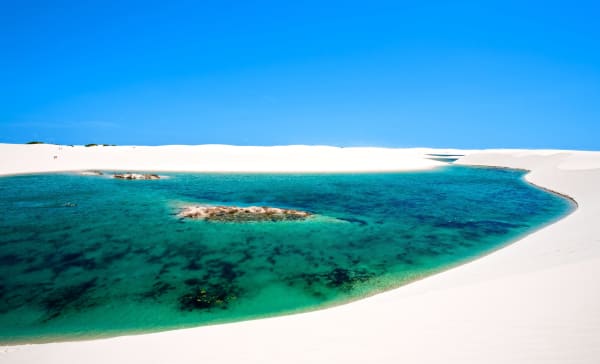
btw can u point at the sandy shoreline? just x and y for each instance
(535, 301)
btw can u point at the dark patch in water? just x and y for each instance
(228, 272)
(192, 281)
(154, 259)
(346, 279)
(481, 226)
(60, 263)
(193, 265)
(338, 278)
(246, 257)
(115, 256)
(166, 267)
(72, 257)
(73, 260)
(213, 296)
(73, 296)
(10, 259)
(158, 289)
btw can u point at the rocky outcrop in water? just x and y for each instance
(242, 214)
(135, 176)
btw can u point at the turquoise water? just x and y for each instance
(87, 256)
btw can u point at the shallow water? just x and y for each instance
(87, 256)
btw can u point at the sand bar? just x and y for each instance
(535, 301)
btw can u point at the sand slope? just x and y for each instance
(536, 301)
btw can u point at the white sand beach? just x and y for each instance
(534, 301)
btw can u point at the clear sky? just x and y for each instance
(443, 74)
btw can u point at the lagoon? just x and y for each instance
(90, 256)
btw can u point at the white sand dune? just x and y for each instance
(18, 158)
(535, 301)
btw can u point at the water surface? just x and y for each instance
(86, 256)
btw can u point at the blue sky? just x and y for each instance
(468, 74)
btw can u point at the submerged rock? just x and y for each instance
(240, 214)
(214, 296)
(135, 176)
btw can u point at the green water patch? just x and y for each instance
(92, 256)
